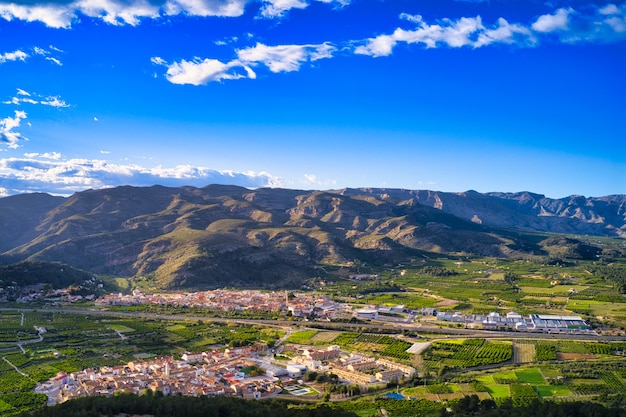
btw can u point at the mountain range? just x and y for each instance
(187, 237)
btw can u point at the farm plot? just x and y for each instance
(523, 351)
(302, 337)
(382, 345)
(522, 394)
(345, 339)
(16, 326)
(467, 354)
(324, 338)
(498, 391)
(530, 376)
(553, 391)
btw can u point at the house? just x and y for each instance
(389, 375)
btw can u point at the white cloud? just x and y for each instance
(22, 56)
(604, 24)
(8, 135)
(45, 155)
(13, 56)
(54, 101)
(51, 173)
(465, 31)
(117, 12)
(204, 8)
(281, 58)
(158, 60)
(551, 22)
(52, 15)
(55, 60)
(26, 97)
(131, 12)
(285, 58)
(200, 72)
(20, 100)
(599, 24)
(314, 180)
(277, 8)
(505, 32)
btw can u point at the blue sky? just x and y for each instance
(498, 95)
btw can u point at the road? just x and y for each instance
(373, 326)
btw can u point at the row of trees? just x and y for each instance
(155, 404)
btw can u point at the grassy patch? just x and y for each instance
(302, 337)
(120, 328)
(553, 391)
(530, 376)
(498, 391)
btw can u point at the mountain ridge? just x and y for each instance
(217, 235)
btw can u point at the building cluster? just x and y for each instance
(355, 368)
(513, 321)
(207, 373)
(298, 305)
(365, 370)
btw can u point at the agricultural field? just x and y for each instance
(484, 285)
(302, 337)
(558, 380)
(378, 345)
(324, 338)
(466, 353)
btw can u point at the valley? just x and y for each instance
(361, 300)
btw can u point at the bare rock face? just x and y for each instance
(218, 235)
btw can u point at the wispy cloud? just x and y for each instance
(55, 60)
(314, 180)
(466, 31)
(54, 101)
(52, 173)
(24, 97)
(284, 58)
(20, 55)
(605, 24)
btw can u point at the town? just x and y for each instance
(311, 306)
(247, 372)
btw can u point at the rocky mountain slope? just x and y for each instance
(601, 216)
(226, 235)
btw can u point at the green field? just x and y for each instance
(483, 285)
(499, 391)
(302, 337)
(553, 391)
(530, 376)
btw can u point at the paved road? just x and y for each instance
(381, 326)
